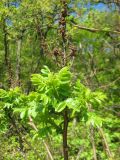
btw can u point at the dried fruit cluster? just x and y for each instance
(62, 22)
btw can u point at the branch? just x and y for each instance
(79, 152)
(107, 149)
(92, 139)
(104, 87)
(112, 110)
(117, 2)
(109, 84)
(31, 123)
(95, 30)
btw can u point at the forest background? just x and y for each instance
(59, 79)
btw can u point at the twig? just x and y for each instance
(95, 30)
(93, 141)
(113, 82)
(79, 153)
(105, 143)
(31, 123)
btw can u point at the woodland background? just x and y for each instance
(81, 34)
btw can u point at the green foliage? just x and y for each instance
(30, 31)
(55, 92)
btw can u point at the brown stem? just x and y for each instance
(95, 30)
(93, 142)
(105, 143)
(62, 25)
(44, 142)
(65, 127)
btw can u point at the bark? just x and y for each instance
(107, 149)
(62, 25)
(18, 55)
(7, 55)
(65, 127)
(93, 142)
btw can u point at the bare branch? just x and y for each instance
(95, 30)
(31, 123)
(111, 83)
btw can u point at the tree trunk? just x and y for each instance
(65, 127)
(18, 62)
(7, 56)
